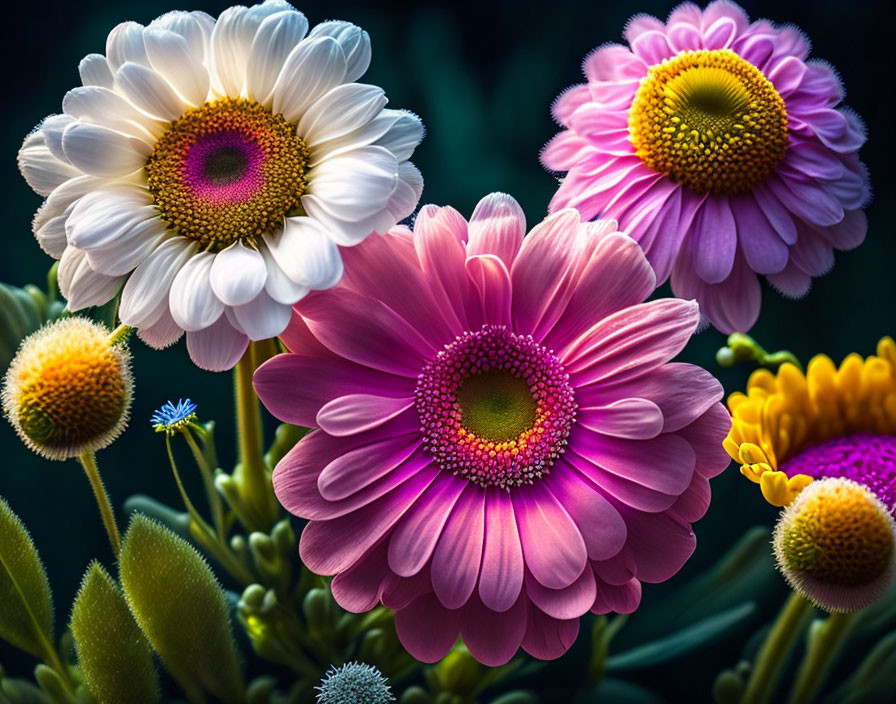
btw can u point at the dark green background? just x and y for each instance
(482, 75)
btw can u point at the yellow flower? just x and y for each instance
(791, 427)
(69, 389)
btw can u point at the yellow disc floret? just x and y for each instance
(783, 414)
(709, 120)
(228, 171)
(69, 389)
(835, 545)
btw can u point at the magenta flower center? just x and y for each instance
(227, 171)
(495, 407)
(865, 458)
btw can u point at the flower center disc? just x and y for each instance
(709, 120)
(495, 407)
(866, 458)
(228, 170)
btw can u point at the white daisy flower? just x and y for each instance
(213, 168)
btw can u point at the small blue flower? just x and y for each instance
(172, 417)
(356, 683)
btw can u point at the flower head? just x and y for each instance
(171, 417)
(836, 545)
(790, 427)
(503, 443)
(212, 168)
(356, 683)
(68, 389)
(722, 149)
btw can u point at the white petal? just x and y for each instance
(105, 107)
(365, 135)
(94, 71)
(51, 236)
(355, 185)
(149, 91)
(355, 44)
(100, 217)
(171, 57)
(238, 274)
(407, 193)
(41, 169)
(194, 304)
(403, 138)
(278, 285)
(130, 249)
(276, 38)
(151, 281)
(100, 151)
(162, 333)
(313, 68)
(306, 253)
(195, 27)
(63, 198)
(344, 232)
(52, 128)
(218, 347)
(341, 111)
(81, 285)
(263, 317)
(125, 43)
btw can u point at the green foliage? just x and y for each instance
(26, 615)
(182, 609)
(22, 311)
(699, 635)
(112, 652)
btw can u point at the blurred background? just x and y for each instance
(482, 75)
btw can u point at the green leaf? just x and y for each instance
(684, 641)
(873, 680)
(182, 610)
(17, 691)
(26, 615)
(113, 654)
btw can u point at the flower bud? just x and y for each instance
(836, 545)
(69, 389)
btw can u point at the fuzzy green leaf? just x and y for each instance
(26, 615)
(113, 653)
(181, 608)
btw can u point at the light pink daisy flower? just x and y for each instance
(720, 148)
(503, 444)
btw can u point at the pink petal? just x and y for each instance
(613, 62)
(359, 588)
(706, 435)
(501, 575)
(600, 524)
(359, 468)
(548, 638)
(366, 331)
(426, 629)
(629, 492)
(632, 341)
(659, 544)
(553, 547)
(493, 637)
(632, 418)
(456, 561)
(414, 538)
(328, 547)
(295, 387)
(763, 249)
(497, 227)
(355, 413)
(622, 599)
(714, 240)
(492, 280)
(570, 602)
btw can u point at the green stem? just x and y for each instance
(204, 533)
(824, 643)
(214, 498)
(88, 461)
(775, 649)
(255, 483)
(120, 334)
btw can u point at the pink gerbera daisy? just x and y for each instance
(503, 444)
(720, 148)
